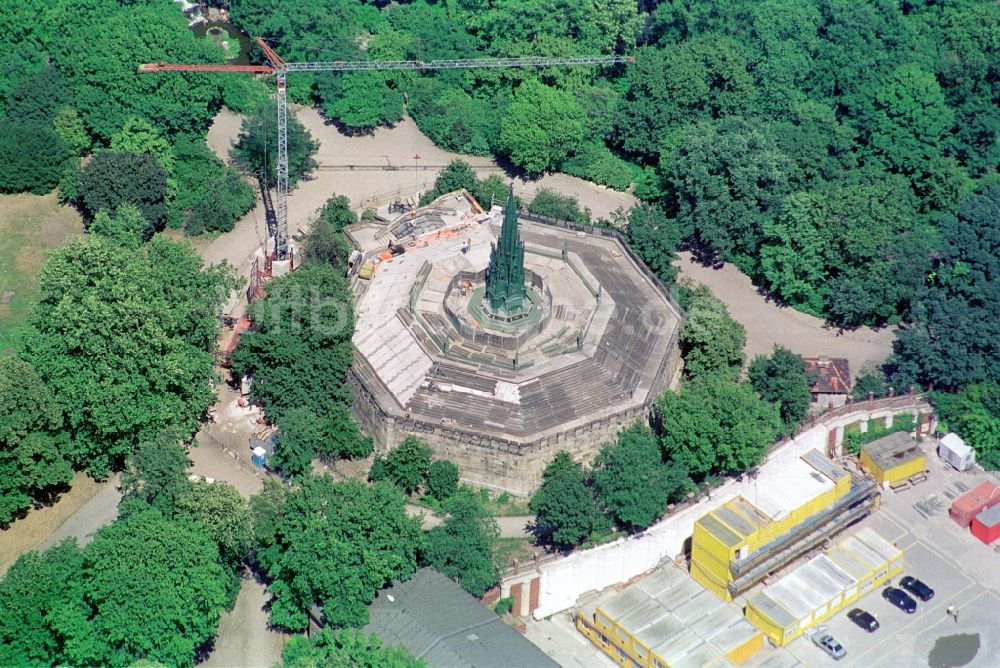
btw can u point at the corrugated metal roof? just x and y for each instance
(728, 537)
(682, 621)
(823, 464)
(883, 548)
(822, 579)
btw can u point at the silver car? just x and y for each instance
(828, 644)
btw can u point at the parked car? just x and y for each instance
(900, 599)
(917, 588)
(865, 620)
(828, 644)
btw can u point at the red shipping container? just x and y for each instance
(986, 525)
(973, 502)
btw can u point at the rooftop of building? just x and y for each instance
(892, 450)
(676, 618)
(833, 375)
(821, 579)
(437, 621)
(801, 481)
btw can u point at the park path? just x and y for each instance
(768, 323)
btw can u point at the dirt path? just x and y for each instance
(244, 638)
(768, 324)
(370, 169)
(79, 512)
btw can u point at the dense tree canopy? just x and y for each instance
(633, 482)
(305, 323)
(256, 149)
(974, 413)
(566, 512)
(122, 338)
(331, 544)
(711, 341)
(406, 466)
(462, 546)
(714, 425)
(341, 649)
(112, 179)
(32, 442)
(781, 378)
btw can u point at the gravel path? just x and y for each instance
(244, 638)
(768, 324)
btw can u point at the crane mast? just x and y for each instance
(280, 69)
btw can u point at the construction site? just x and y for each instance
(589, 342)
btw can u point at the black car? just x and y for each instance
(865, 620)
(917, 588)
(900, 599)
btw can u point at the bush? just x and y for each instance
(595, 162)
(32, 157)
(112, 179)
(504, 605)
(442, 479)
(562, 207)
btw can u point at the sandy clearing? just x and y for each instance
(768, 324)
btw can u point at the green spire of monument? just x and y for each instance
(505, 276)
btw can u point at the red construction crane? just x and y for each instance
(280, 69)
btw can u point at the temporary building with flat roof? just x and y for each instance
(824, 585)
(986, 525)
(740, 529)
(667, 620)
(893, 458)
(976, 500)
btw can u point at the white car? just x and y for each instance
(828, 644)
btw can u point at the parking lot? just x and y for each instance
(962, 571)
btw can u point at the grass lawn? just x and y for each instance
(30, 225)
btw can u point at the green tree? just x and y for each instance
(155, 589)
(974, 413)
(951, 339)
(462, 546)
(654, 237)
(122, 337)
(112, 179)
(407, 465)
(442, 479)
(256, 148)
(714, 426)
(210, 196)
(32, 156)
(361, 100)
(633, 482)
(305, 322)
(224, 516)
(157, 474)
(41, 600)
(711, 341)
(348, 648)
(69, 128)
(566, 513)
(32, 442)
(139, 136)
(870, 382)
(457, 175)
(126, 228)
(793, 252)
(547, 202)
(542, 126)
(729, 178)
(782, 379)
(325, 241)
(331, 544)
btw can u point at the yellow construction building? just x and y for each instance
(740, 542)
(893, 458)
(667, 620)
(824, 586)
